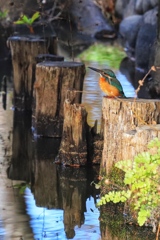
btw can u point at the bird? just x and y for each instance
(109, 84)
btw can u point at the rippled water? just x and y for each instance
(48, 223)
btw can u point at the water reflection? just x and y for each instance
(60, 202)
(75, 216)
(56, 203)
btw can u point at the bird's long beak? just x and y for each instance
(96, 70)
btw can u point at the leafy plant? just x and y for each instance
(22, 187)
(3, 14)
(28, 21)
(110, 55)
(142, 183)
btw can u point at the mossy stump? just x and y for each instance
(24, 51)
(53, 80)
(121, 119)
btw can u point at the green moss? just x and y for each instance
(117, 176)
(111, 55)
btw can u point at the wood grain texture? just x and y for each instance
(24, 51)
(121, 116)
(53, 80)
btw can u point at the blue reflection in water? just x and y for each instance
(2, 231)
(45, 224)
(48, 223)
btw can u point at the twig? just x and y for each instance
(158, 230)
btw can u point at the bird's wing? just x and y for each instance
(114, 82)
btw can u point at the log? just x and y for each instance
(95, 144)
(136, 141)
(53, 79)
(24, 51)
(121, 116)
(73, 148)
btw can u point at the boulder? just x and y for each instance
(125, 8)
(143, 6)
(145, 39)
(89, 19)
(120, 6)
(128, 30)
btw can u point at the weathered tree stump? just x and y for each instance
(136, 141)
(53, 79)
(121, 116)
(24, 51)
(95, 144)
(73, 148)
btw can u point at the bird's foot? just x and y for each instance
(108, 97)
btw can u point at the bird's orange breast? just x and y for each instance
(108, 89)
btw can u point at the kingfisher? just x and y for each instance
(109, 84)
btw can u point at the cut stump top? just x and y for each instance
(60, 64)
(29, 38)
(139, 100)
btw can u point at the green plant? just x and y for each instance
(3, 14)
(142, 185)
(109, 55)
(22, 187)
(28, 21)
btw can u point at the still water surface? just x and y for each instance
(60, 203)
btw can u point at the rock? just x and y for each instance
(128, 30)
(145, 39)
(120, 6)
(143, 6)
(89, 19)
(129, 10)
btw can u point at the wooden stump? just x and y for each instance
(121, 116)
(136, 141)
(24, 51)
(73, 148)
(53, 79)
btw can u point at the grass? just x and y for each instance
(111, 55)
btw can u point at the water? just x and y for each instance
(58, 202)
(49, 223)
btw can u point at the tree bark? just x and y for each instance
(53, 79)
(121, 116)
(24, 51)
(136, 141)
(73, 148)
